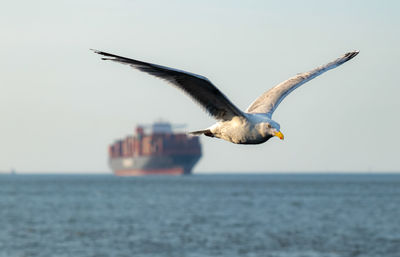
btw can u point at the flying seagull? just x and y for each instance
(253, 126)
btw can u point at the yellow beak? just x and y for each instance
(279, 134)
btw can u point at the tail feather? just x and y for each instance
(205, 132)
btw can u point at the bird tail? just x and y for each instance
(205, 132)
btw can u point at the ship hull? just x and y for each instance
(173, 171)
(154, 165)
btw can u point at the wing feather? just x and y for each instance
(269, 101)
(199, 88)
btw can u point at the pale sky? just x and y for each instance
(61, 106)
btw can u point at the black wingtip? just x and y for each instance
(352, 54)
(95, 51)
(100, 52)
(111, 56)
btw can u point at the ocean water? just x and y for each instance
(200, 215)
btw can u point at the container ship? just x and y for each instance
(159, 152)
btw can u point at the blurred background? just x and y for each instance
(61, 106)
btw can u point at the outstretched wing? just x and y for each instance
(198, 87)
(269, 101)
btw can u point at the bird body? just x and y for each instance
(246, 129)
(255, 125)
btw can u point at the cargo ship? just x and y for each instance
(161, 151)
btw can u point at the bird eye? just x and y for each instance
(269, 126)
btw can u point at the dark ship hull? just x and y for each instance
(154, 165)
(161, 152)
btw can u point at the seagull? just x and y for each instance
(255, 124)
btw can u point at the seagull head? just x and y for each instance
(272, 129)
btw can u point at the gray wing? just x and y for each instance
(198, 87)
(269, 101)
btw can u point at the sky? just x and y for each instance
(61, 106)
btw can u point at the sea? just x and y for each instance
(282, 215)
